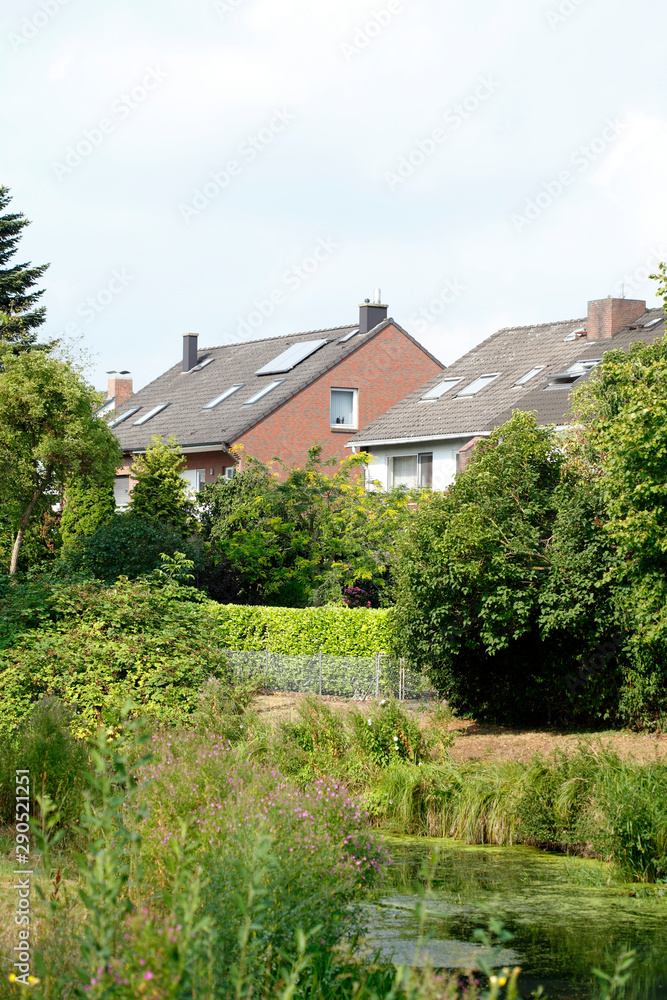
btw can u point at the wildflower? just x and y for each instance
(148, 975)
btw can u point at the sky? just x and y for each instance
(251, 168)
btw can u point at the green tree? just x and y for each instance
(87, 506)
(471, 571)
(298, 535)
(48, 435)
(20, 316)
(160, 491)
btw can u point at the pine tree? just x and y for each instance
(20, 316)
(159, 490)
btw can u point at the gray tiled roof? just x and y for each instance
(187, 392)
(511, 352)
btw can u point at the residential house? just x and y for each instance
(275, 397)
(429, 436)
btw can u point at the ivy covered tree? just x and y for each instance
(20, 314)
(160, 492)
(88, 505)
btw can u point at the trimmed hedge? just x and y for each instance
(332, 629)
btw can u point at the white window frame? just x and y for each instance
(264, 392)
(433, 394)
(530, 375)
(151, 413)
(465, 393)
(355, 407)
(195, 478)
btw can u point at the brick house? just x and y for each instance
(275, 397)
(428, 437)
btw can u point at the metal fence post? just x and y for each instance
(377, 674)
(401, 679)
(320, 673)
(267, 668)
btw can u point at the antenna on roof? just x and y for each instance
(377, 297)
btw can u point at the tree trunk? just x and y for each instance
(23, 525)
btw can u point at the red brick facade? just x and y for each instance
(383, 372)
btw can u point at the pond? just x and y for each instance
(566, 914)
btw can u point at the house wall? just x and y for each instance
(383, 371)
(213, 462)
(444, 460)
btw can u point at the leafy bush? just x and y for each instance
(127, 546)
(155, 645)
(88, 505)
(336, 630)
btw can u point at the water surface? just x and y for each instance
(566, 915)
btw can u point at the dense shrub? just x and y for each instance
(127, 546)
(154, 644)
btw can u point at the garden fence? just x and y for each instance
(357, 677)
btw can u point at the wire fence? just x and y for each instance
(356, 677)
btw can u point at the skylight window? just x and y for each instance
(441, 388)
(202, 364)
(479, 384)
(151, 413)
(292, 357)
(223, 395)
(563, 380)
(124, 416)
(531, 374)
(264, 392)
(652, 322)
(348, 336)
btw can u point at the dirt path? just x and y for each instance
(474, 741)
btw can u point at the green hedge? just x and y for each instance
(334, 630)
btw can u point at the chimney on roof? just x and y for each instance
(120, 390)
(372, 313)
(189, 351)
(607, 317)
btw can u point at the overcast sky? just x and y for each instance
(250, 168)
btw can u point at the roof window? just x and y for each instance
(290, 358)
(563, 380)
(348, 336)
(202, 364)
(574, 335)
(653, 322)
(124, 416)
(151, 413)
(264, 392)
(531, 374)
(479, 384)
(223, 395)
(441, 388)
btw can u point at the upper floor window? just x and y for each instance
(343, 408)
(531, 374)
(479, 384)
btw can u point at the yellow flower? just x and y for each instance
(33, 980)
(12, 977)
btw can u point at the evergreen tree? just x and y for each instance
(88, 505)
(160, 492)
(20, 316)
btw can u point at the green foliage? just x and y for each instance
(88, 506)
(126, 546)
(339, 631)
(48, 435)
(471, 573)
(160, 492)
(54, 758)
(20, 316)
(153, 644)
(298, 536)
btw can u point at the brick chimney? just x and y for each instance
(607, 316)
(120, 390)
